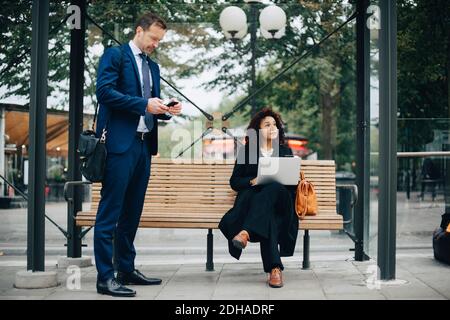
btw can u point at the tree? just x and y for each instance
(15, 52)
(116, 18)
(316, 88)
(318, 94)
(423, 69)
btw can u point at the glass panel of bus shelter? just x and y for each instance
(421, 181)
(423, 123)
(371, 224)
(15, 69)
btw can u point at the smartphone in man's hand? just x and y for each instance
(170, 103)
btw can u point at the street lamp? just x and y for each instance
(233, 22)
(58, 156)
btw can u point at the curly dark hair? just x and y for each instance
(255, 122)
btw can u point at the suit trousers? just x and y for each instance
(120, 208)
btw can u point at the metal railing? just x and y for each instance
(431, 181)
(418, 154)
(25, 197)
(423, 154)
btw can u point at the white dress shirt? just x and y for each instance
(266, 153)
(136, 52)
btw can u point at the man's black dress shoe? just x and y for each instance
(113, 288)
(136, 278)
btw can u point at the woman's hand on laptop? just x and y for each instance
(253, 182)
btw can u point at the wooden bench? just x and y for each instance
(198, 195)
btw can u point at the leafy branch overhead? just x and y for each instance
(317, 97)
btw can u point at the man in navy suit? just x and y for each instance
(128, 91)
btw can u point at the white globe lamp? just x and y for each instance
(272, 19)
(233, 20)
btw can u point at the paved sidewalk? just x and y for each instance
(178, 257)
(333, 279)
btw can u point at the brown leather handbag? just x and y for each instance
(305, 199)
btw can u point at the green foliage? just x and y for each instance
(15, 51)
(56, 173)
(316, 97)
(299, 95)
(423, 70)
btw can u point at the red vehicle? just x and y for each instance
(298, 145)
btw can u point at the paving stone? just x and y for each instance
(360, 296)
(243, 280)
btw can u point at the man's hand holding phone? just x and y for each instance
(174, 107)
(156, 106)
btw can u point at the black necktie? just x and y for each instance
(147, 90)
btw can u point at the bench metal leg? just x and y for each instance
(209, 251)
(306, 264)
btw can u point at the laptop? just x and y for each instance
(284, 170)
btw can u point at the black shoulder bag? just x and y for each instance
(92, 152)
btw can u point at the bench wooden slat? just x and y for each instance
(304, 225)
(219, 198)
(188, 187)
(193, 215)
(169, 203)
(222, 170)
(184, 198)
(217, 193)
(162, 216)
(226, 171)
(207, 163)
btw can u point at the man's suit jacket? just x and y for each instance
(119, 94)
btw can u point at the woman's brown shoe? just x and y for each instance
(241, 239)
(275, 278)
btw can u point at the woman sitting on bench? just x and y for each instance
(262, 213)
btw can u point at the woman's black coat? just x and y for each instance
(232, 221)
